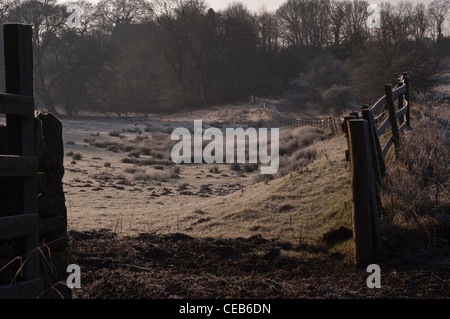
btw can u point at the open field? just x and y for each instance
(148, 193)
(141, 227)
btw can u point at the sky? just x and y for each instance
(273, 5)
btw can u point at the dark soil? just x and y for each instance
(179, 266)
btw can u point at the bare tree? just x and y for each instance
(176, 21)
(116, 12)
(438, 11)
(267, 26)
(47, 19)
(419, 22)
(6, 6)
(291, 24)
(355, 21)
(339, 10)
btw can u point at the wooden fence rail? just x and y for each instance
(270, 108)
(364, 131)
(20, 163)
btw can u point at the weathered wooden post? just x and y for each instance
(345, 130)
(408, 100)
(364, 199)
(374, 143)
(21, 161)
(392, 116)
(19, 80)
(401, 101)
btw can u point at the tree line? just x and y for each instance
(167, 55)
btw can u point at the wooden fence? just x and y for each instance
(365, 131)
(270, 108)
(20, 162)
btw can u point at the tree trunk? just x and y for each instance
(42, 92)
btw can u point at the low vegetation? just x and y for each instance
(415, 193)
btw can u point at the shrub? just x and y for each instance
(77, 156)
(339, 98)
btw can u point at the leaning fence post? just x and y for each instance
(392, 116)
(364, 200)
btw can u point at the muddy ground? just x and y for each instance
(177, 266)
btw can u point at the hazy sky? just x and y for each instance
(272, 5)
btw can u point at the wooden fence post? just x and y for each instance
(365, 232)
(19, 80)
(401, 101)
(408, 99)
(392, 116)
(375, 148)
(345, 130)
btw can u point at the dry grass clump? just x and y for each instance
(215, 169)
(159, 176)
(155, 148)
(114, 134)
(415, 193)
(77, 156)
(296, 151)
(134, 170)
(299, 138)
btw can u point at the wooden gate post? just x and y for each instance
(365, 228)
(20, 135)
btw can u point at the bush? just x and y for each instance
(338, 99)
(324, 72)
